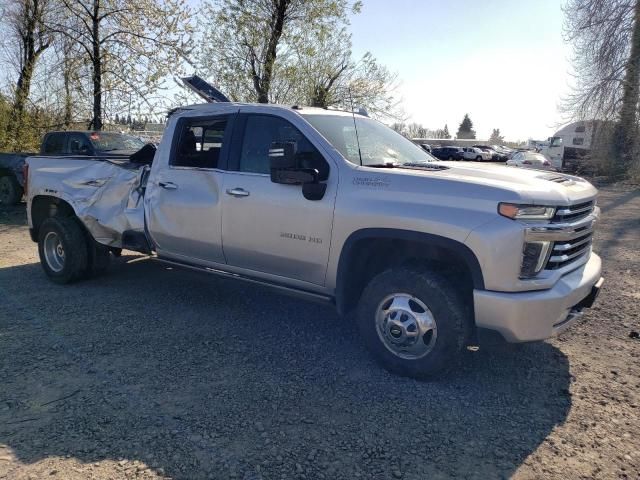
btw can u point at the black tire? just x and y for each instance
(451, 315)
(10, 190)
(73, 263)
(98, 258)
(451, 158)
(479, 158)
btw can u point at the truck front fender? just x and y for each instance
(369, 251)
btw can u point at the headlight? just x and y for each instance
(525, 212)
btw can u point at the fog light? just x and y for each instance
(534, 257)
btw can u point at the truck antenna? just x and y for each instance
(355, 126)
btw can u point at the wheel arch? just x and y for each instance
(370, 251)
(45, 206)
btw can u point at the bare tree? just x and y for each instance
(131, 46)
(606, 39)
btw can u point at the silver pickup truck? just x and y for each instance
(335, 207)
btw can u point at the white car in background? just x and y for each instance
(530, 160)
(473, 153)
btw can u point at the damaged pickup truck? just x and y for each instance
(337, 207)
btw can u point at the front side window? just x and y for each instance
(200, 143)
(263, 130)
(379, 145)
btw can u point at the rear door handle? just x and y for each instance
(237, 192)
(168, 185)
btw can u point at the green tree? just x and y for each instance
(496, 138)
(445, 132)
(250, 44)
(24, 22)
(322, 65)
(465, 130)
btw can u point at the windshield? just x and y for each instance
(379, 144)
(108, 141)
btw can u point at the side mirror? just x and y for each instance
(285, 170)
(284, 165)
(294, 176)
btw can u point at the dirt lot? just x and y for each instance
(152, 372)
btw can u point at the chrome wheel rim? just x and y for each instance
(54, 252)
(406, 326)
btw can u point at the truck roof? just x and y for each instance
(212, 107)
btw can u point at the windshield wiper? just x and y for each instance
(426, 165)
(383, 165)
(431, 165)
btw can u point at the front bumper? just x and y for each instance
(529, 316)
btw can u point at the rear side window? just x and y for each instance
(200, 142)
(54, 144)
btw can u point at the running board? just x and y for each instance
(305, 294)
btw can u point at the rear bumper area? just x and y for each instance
(530, 316)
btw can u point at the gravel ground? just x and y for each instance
(152, 372)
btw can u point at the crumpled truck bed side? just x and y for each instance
(106, 196)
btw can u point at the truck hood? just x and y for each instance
(540, 187)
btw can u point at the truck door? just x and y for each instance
(268, 227)
(183, 202)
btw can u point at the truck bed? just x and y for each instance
(106, 194)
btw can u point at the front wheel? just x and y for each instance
(479, 158)
(413, 321)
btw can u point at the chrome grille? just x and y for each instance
(568, 251)
(571, 213)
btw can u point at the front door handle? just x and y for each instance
(168, 185)
(237, 192)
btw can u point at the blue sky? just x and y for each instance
(503, 62)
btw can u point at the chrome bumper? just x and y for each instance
(536, 315)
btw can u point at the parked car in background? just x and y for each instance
(91, 143)
(447, 153)
(496, 155)
(426, 147)
(11, 177)
(118, 146)
(530, 160)
(472, 153)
